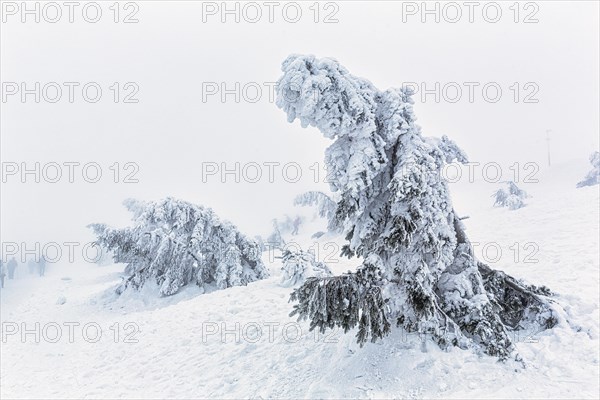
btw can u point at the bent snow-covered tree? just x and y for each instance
(418, 267)
(176, 243)
(593, 177)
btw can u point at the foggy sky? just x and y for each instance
(171, 132)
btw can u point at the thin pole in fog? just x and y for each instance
(548, 142)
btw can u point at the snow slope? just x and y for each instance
(182, 350)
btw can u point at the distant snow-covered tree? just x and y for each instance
(261, 243)
(176, 243)
(510, 196)
(592, 177)
(298, 265)
(275, 239)
(286, 226)
(418, 266)
(326, 206)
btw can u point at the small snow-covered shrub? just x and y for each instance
(300, 265)
(510, 196)
(176, 243)
(592, 177)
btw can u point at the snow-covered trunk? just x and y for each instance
(467, 301)
(461, 288)
(478, 303)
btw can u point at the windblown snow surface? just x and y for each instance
(209, 345)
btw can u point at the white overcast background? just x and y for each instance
(170, 132)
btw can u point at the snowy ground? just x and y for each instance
(178, 347)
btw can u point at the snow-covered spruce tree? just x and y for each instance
(593, 177)
(418, 266)
(299, 265)
(176, 243)
(510, 196)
